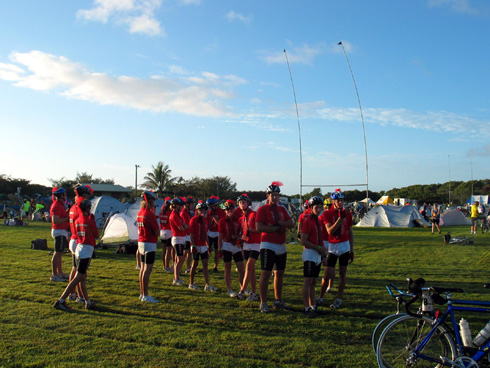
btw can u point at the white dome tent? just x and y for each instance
(393, 216)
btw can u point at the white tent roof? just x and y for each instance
(120, 229)
(367, 200)
(105, 205)
(453, 218)
(480, 198)
(392, 216)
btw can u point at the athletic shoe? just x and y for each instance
(63, 276)
(215, 270)
(138, 267)
(90, 306)
(178, 282)
(149, 298)
(252, 297)
(240, 296)
(210, 288)
(279, 304)
(188, 270)
(56, 278)
(141, 296)
(232, 294)
(329, 290)
(246, 292)
(80, 300)
(310, 312)
(336, 303)
(169, 270)
(62, 306)
(194, 287)
(264, 308)
(319, 301)
(73, 297)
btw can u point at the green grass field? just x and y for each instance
(197, 329)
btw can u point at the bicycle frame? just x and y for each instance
(482, 307)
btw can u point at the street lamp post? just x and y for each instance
(449, 169)
(136, 181)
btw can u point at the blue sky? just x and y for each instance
(99, 86)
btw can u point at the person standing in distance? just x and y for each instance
(474, 217)
(215, 214)
(148, 231)
(59, 232)
(178, 238)
(338, 222)
(272, 221)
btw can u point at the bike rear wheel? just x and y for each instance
(380, 328)
(403, 335)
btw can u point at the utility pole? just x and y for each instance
(449, 185)
(136, 181)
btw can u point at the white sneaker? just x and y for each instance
(240, 296)
(194, 287)
(329, 290)
(138, 267)
(149, 299)
(141, 296)
(56, 278)
(319, 301)
(169, 270)
(336, 303)
(252, 297)
(246, 292)
(210, 288)
(80, 300)
(232, 294)
(264, 308)
(188, 270)
(63, 276)
(178, 282)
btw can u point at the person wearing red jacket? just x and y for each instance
(148, 231)
(186, 214)
(87, 234)
(166, 235)
(313, 252)
(338, 223)
(82, 193)
(251, 247)
(59, 232)
(178, 238)
(272, 221)
(199, 246)
(215, 214)
(229, 246)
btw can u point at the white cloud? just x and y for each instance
(232, 16)
(301, 55)
(138, 15)
(205, 95)
(459, 6)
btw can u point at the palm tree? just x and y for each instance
(159, 178)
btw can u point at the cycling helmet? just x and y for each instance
(177, 202)
(148, 195)
(327, 202)
(85, 205)
(201, 206)
(189, 200)
(212, 201)
(244, 197)
(313, 201)
(58, 191)
(338, 194)
(82, 189)
(274, 187)
(229, 205)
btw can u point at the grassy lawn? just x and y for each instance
(197, 329)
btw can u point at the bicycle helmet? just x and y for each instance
(189, 200)
(313, 201)
(274, 187)
(201, 206)
(177, 202)
(338, 194)
(58, 191)
(148, 195)
(85, 205)
(229, 205)
(244, 197)
(212, 201)
(82, 189)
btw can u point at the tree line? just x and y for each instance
(161, 181)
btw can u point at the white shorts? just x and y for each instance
(311, 255)
(231, 248)
(213, 234)
(188, 238)
(59, 232)
(84, 251)
(202, 249)
(276, 248)
(339, 248)
(165, 234)
(251, 246)
(72, 245)
(144, 247)
(178, 240)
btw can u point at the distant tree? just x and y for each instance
(87, 178)
(159, 178)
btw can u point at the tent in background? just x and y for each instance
(385, 200)
(103, 206)
(393, 216)
(483, 199)
(454, 218)
(367, 200)
(121, 229)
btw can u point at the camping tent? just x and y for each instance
(385, 200)
(368, 201)
(393, 216)
(103, 206)
(483, 199)
(453, 218)
(120, 229)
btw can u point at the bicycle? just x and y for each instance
(419, 340)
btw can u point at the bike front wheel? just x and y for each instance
(398, 345)
(380, 328)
